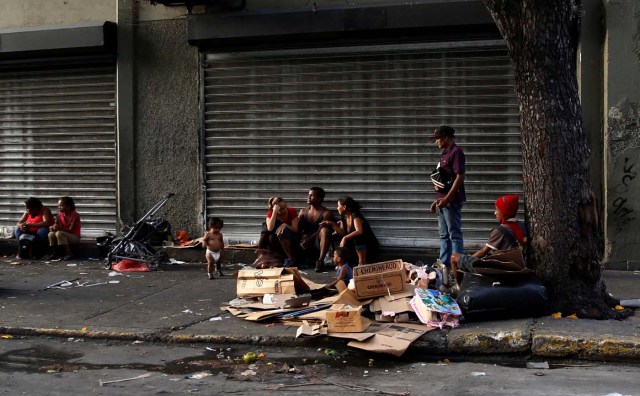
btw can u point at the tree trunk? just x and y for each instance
(563, 214)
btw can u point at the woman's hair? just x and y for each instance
(274, 201)
(33, 203)
(68, 201)
(351, 205)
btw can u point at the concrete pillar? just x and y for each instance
(622, 131)
(126, 18)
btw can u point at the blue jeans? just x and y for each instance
(450, 227)
(42, 234)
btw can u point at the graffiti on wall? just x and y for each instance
(623, 212)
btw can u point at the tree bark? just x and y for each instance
(563, 213)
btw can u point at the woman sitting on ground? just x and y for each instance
(356, 233)
(35, 221)
(66, 230)
(280, 230)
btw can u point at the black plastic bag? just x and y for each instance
(485, 298)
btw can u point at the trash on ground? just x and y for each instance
(538, 365)
(200, 375)
(633, 303)
(102, 383)
(478, 373)
(249, 357)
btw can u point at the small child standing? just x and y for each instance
(214, 243)
(344, 272)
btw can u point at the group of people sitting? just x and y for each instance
(45, 233)
(294, 237)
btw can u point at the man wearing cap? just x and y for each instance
(508, 235)
(450, 193)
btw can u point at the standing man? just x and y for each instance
(313, 235)
(449, 185)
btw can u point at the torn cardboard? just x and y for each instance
(372, 280)
(393, 339)
(311, 330)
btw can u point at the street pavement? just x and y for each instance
(178, 303)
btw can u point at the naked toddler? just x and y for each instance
(214, 243)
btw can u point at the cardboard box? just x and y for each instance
(258, 282)
(346, 319)
(379, 279)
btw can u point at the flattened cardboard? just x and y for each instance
(288, 301)
(352, 336)
(390, 338)
(346, 319)
(378, 279)
(258, 282)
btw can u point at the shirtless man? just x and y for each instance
(309, 220)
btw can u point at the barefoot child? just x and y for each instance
(344, 272)
(214, 243)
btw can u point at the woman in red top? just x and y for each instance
(66, 230)
(35, 221)
(280, 231)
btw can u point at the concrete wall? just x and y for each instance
(622, 130)
(167, 124)
(32, 13)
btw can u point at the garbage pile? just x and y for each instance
(381, 310)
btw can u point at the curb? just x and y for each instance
(479, 341)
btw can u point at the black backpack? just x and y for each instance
(25, 246)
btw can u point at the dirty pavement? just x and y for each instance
(179, 304)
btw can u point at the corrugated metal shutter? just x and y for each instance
(58, 137)
(355, 123)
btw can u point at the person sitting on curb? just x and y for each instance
(314, 235)
(344, 272)
(509, 234)
(280, 231)
(35, 221)
(65, 232)
(354, 230)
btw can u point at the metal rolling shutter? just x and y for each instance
(355, 123)
(58, 137)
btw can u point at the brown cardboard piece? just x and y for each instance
(390, 338)
(378, 279)
(507, 262)
(346, 319)
(291, 301)
(258, 282)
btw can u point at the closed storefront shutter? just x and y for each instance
(355, 122)
(58, 138)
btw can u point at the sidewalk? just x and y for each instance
(179, 304)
